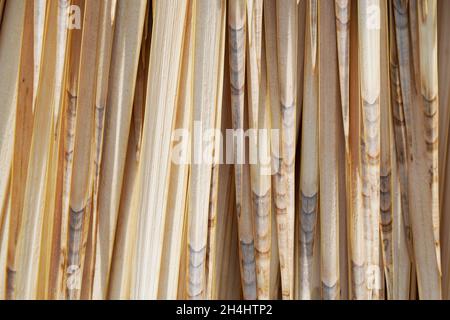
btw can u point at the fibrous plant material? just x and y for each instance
(401, 282)
(444, 120)
(286, 21)
(309, 179)
(369, 59)
(129, 20)
(355, 221)
(386, 141)
(104, 53)
(328, 117)
(237, 24)
(421, 140)
(10, 57)
(83, 165)
(259, 119)
(179, 176)
(212, 149)
(206, 70)
(429, 272)
(154, 162)
(22, 140)
(45, 126)
(343, 9)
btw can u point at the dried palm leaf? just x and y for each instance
(444, 125)
(369, 57)
(10, 53)
(104, 53)
(328, 161)
(155, 158)
(260, 171)
(120, 278)
(40, 7)
(287, 29)
(343, 9)
(206, 71)
(386, 140)
(356, 218)
(309, 180)
(80, 206)
(237, 25)
(44, 128)
(301, 5)
(57, 287)
(420, 143)
(427, 16)
(179, 171)
(129, 23)
(4, 235)
(22, 140)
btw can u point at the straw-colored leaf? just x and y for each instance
(129, 23)
(328, 115)
(309, 180)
